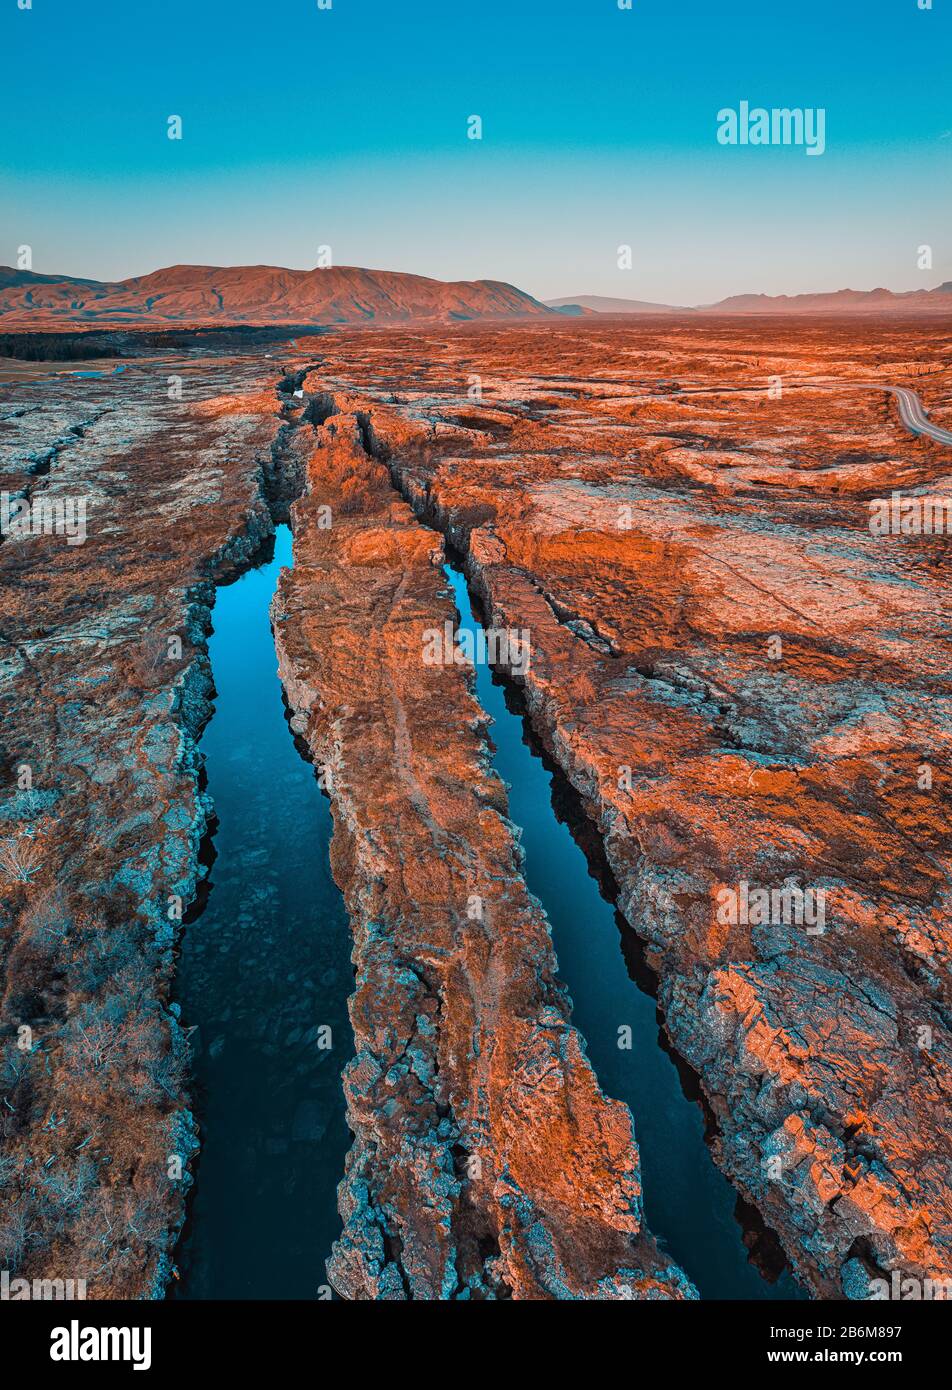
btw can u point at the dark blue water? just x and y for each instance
(689, 1205)
(266, 967)
(263, 968)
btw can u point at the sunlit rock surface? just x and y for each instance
(747, 687)
(486, 1161)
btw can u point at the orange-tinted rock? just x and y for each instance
(486, 1161)
(746, 686)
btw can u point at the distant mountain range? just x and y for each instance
(257, 294)
(937, 301)
(260, 294)
(603, 304)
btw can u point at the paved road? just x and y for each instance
(913, 415)
(912, 412)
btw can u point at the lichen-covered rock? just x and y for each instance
(104, 689)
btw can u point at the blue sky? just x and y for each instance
(347, 127)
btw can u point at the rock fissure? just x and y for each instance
(108, 829)
(478, 1125)
(700, 998)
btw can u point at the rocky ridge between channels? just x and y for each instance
(486, 1162)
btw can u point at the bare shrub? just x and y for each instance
(67, 1189)
(20, 858)
(355, 496)
(15, 1234)
(112, 1037)
(46, 919)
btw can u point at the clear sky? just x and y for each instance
(348, 127)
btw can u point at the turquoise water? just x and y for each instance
(265, 965)
(115, 372)
(689, 1205)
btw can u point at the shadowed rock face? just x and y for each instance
(747, 687)
(486, 1161)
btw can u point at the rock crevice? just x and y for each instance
(486, 1162)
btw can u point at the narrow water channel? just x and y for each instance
(264, 972)
(689, 1205)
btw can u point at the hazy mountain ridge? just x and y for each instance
(262, 294)
(934, 301)
(606, 304)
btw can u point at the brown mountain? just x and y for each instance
(259, 294)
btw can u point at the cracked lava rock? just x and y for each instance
(486, 1161)
(747, 687)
